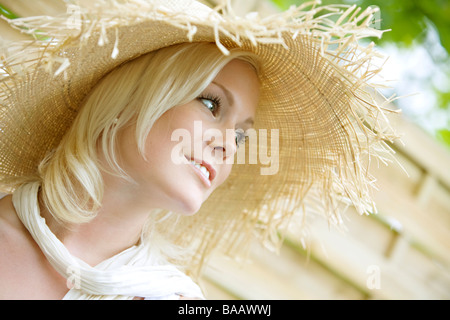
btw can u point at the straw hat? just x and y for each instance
(315, 92)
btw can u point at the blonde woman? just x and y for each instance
(118, 138)
(116, 163)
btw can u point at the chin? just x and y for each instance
(188, 207)
(185, 199)
(188, 210)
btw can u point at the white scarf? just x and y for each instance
(126, 275)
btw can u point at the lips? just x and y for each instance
(204, 169)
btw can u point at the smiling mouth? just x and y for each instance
(204, 169)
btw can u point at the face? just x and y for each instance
(190, 148)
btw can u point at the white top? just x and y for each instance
(129, 274)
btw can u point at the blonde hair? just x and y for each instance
(140, 90)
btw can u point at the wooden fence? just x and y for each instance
(403, 252)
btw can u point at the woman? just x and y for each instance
(131, 179)
(130, 117)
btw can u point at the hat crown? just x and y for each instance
(191, 8)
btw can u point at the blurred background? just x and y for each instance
(403, 252)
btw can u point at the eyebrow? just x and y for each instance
(227, 93)
(230, 98)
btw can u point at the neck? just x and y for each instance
(116, 227)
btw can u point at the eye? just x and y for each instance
(240, 137)
(211, 102)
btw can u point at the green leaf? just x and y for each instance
(443, 135)
(7, 13)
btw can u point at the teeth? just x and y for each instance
(202, 169)
(205, 172)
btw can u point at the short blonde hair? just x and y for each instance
(140, 90)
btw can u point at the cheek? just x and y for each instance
(156, 144)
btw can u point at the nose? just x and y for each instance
(224, 148)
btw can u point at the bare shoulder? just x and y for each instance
(11, 227)
(24, 271)
(13, 241)
(8, 217)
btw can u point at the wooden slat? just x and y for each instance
(421, 148)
